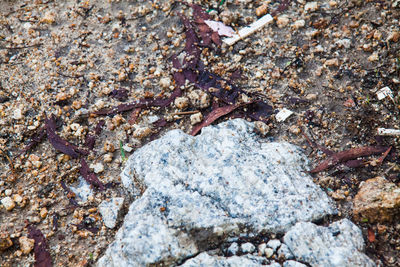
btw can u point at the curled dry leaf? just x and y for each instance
(42, 255)
(60, 144)
(90, 177)
(347, 155)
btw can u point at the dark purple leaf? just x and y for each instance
(90, 141)
(142, 103)
(199, 14)
(120, 94)
(236, 75)
(345, 156)
(36, 139)
(259, 111)
(90, 177)
(42, 255)
(99, 127)
(282, 7)
(59, 143)
(214, 115)
(355, 163)
(160, 123)
(212, 83)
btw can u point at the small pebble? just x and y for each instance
(294, 129)
(282, 21)
(17, 114)
(8, 203)
(97, 167)
(26, 244)
(233, 249)
(261, 249)
(43, 213)
(181, 102)
(268, 252)
(196, 118)
(142, 132)
(261, 127)
(5, 241)
(274, 244)
(311, 7)
(299, 24)
(247, 247)
(165, 83)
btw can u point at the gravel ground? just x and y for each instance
(323, 60)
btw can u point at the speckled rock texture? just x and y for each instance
(378, 200)
(340, 244)
(194, 192)
(109, 211)
(204, 259)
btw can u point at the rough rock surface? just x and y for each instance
(109, 211)
(340, 244)
(204, 259)
(377, 201)
(200, 190)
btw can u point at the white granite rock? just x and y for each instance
(109, 211)
(285, 253)
(340, 244)
(293, 264)
(204, 259)
(200, 190)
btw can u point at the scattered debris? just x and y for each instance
(388, 132)
(385, 92)
(283, 114)
(243, 33)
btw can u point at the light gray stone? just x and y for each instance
(293, 264)
(274, 244)
(247, 247)
(204, 259)
(109, 211)
(82, 190)
(199, 190)
(340, 244)
(261, 249)
(233, 249)
(285, 253)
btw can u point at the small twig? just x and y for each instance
(185, 112)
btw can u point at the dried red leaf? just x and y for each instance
(382, 158)
(214, 115)
(60, 144)
(212, 84)
(36, 139)
(119, 94)
(42, 255)
(90, 177)
(347, 155)
(259, 111)
(371, 235)
(199, 14)
(142, 103)
(282, 7)
(90, 140)
(134, 115)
